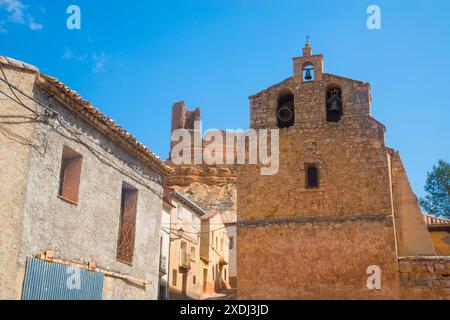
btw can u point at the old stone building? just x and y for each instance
(78, 192)
(339, 207)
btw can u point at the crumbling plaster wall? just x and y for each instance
(37, 220)
(16, 126)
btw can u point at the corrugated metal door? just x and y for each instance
(52, 281)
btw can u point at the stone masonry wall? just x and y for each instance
(316, 259)
(331, 234)
(425, 277)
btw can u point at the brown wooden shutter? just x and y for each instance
(127, 232)
(70, 175)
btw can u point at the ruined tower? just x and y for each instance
(334, 210)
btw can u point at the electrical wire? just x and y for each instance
(76, 134)
(195, 233)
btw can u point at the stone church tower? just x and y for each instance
(340, 203)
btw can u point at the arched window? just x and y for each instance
(308, 72)
(334, 104)
(285, 111)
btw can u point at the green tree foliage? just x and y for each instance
(437, 200)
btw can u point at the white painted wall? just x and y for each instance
(165, 250)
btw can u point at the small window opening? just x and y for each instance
(125, 247)
(69, 185)
(174, 277)
(312, 177)
(285, 111)
(334, 105)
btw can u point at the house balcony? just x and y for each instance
(185, 260)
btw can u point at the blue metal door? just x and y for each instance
(52, 281)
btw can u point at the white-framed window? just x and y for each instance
(180, 212)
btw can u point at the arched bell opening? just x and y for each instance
(308, 72)
(285, 110)
(334, 104)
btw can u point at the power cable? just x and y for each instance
(76, 134)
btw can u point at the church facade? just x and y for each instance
(339, 220)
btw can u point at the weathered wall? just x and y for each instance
(412, 234)
(425, 277)
(16, 125)
(330, 234)
(89, 230)
(316, 259)
(351, 157)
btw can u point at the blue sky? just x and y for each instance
(134, 59)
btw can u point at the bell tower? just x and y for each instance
(309, 64)
(330, 205)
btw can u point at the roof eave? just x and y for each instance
(75, 103)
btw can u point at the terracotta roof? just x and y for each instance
(18, 64)
(76, 103)
(210, 215)
(435, 222)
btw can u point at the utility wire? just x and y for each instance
(75, 133)
(195, 233)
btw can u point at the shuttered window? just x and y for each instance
(127, 230)
(69, 182)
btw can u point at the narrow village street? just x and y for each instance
(229, 294)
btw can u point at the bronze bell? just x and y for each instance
(308, 75)
(334, 106)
